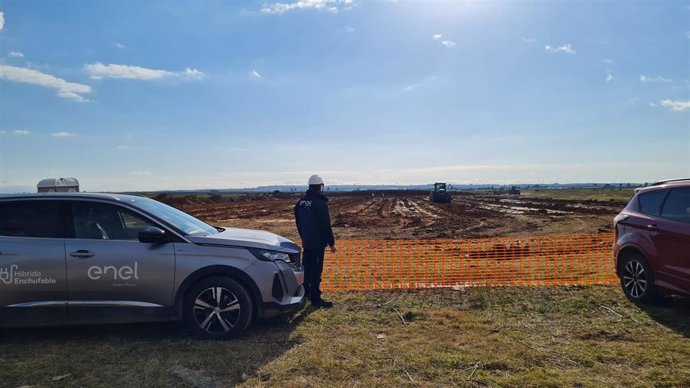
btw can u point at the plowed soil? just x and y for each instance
(410, 214)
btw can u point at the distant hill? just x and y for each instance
(424, 187)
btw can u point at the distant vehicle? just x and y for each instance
(77, 258)
(440, 194)
(59, 185)
(513, 190)
(652, 247)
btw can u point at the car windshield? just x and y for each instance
(179, 219)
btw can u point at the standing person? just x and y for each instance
(314, 225)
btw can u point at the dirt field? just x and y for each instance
(410, 214)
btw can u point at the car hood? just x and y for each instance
(248, 238)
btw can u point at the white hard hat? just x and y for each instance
(315, 180)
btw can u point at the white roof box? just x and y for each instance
(59, 185)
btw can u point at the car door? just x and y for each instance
(672, 240)
(640, 222)
(113, 277)
(33, 286)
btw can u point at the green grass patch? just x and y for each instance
(565, 336)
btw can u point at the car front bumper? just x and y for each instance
(287, 291)
(273, 309)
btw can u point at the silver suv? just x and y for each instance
(77, 258)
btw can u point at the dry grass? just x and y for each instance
(578, 336)
(623, 194)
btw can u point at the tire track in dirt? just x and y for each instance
(419, 214)
(407, 215)
(359, 214)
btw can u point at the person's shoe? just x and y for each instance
(321, 304)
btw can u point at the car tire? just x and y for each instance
(637, 279)
(218, 308)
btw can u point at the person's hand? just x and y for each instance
(333, 250)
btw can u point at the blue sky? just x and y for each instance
(144, 95)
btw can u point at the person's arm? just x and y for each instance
(297, 220)
(326, 225)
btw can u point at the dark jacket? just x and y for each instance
(313, 221)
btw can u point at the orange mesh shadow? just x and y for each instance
(582, 259)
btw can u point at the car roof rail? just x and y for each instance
(659, 183)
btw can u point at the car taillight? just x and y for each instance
(616, 220)
(619, 218)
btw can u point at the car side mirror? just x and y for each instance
(154, 235)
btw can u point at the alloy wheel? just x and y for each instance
(216, 310)
(635, 279)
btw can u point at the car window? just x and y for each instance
(677, 205)
(98, 221)
(178, 219)
(29, 219)
(650, 203)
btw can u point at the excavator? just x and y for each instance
(440, 194)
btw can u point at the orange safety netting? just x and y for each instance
(582, 259)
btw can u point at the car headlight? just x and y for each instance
(266, 255)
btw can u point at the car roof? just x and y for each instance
(99, 196)
(685, 182)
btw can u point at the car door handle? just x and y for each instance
(653, 227)
(82, 254)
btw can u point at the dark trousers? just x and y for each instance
(313, 267)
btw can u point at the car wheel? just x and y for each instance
(637, 279)
(218, 308)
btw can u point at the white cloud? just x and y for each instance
(141, 173)
(447, 43)
(609, 77)
(255, 74)
(65, 89)
(122, 147)
(567, 48)
(192, 73)
(36, 66)
(16, 54)
(350, 29)
(607, 61)
(17, 132)
(63, 134)
(332, 6)
(420, 84)
(120, 45)
(99, 71)
(646, 79)
(674, 105)
(528, 40)
(2, 20)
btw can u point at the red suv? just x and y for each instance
(652, 247)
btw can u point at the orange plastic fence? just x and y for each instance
(583, 259)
